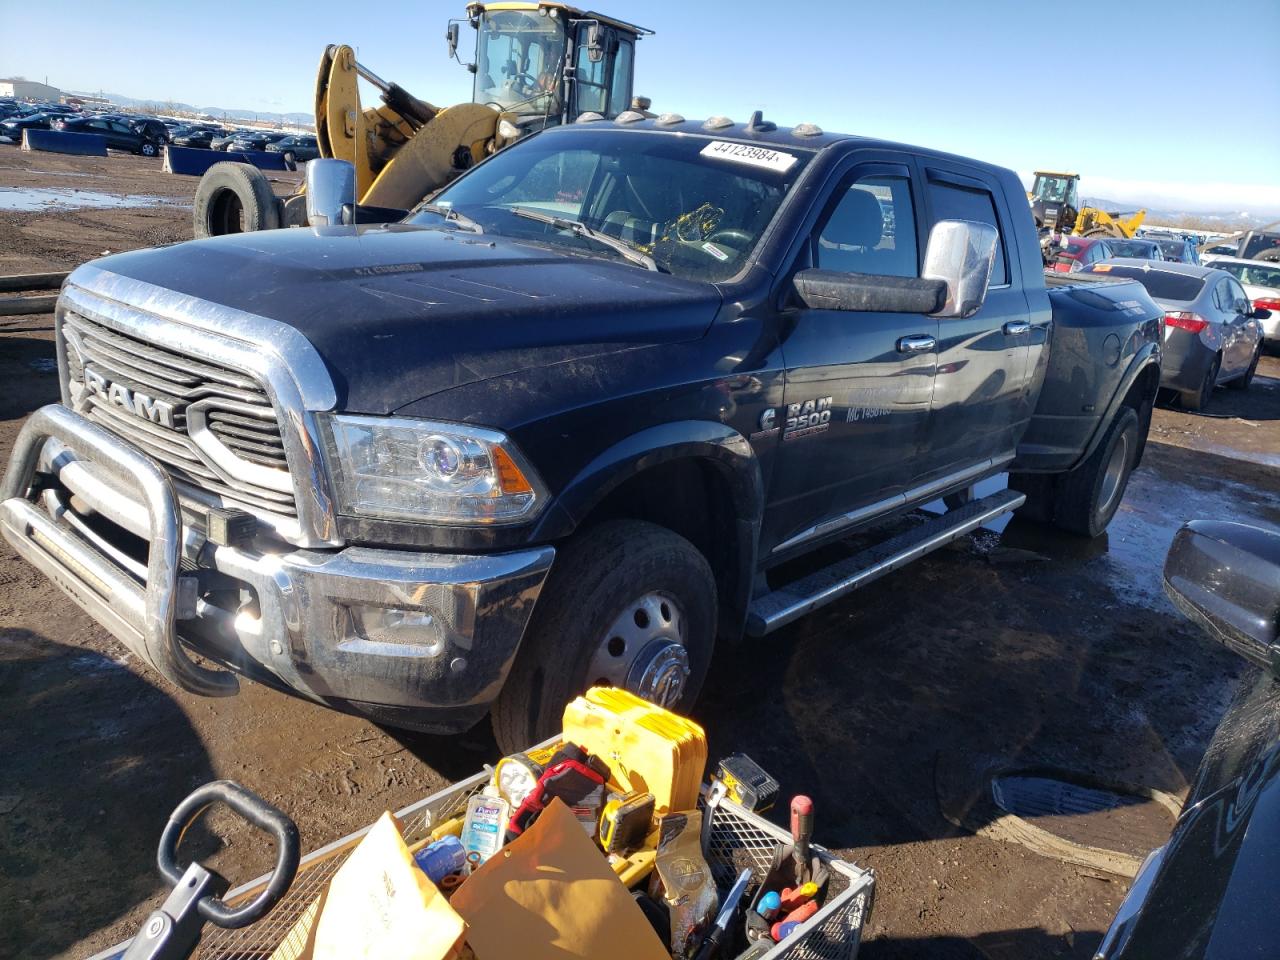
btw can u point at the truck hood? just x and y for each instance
(400, 312)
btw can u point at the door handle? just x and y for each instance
(917, 343)
(1016, 328)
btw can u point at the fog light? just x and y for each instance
(400, 627)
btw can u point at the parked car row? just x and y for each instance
(1213, 329)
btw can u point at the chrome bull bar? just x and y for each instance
(140, 615)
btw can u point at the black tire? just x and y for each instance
(596, 578)
(148, 150)
(234, 198)
(1111, 232)
(1246, 380)
(293, 211)
(1199, 399)
(1083, 501)
(1088, 497)
(1272, 255)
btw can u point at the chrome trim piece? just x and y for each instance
(140, 615)
(924, 492)
(782, 606)
(280, 357)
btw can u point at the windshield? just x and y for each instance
(1053, 189)
(519, 61)
(1161, 284)
(696, 205)
(1255, 274)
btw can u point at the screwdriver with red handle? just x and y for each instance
(801, 835)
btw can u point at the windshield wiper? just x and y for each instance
(452, 216)
(582, 230)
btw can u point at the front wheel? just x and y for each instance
(627, 604)
(149, 150)
(1199, 399)
(1246, 380)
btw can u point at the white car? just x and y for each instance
(1261, 281)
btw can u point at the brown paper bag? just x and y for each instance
(378, 906)
(551, 895)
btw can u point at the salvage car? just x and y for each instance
(295, 148)
(1261, 282)
(1213, 332)
(120, 134)
(567, 422)
(1209, 893)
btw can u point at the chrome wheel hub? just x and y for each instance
(643, 651)
(1114, 473)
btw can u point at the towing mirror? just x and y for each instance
(1226, 578)
(960, 254)
(870, 292)
(331, 185)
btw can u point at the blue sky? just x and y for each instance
(1172, 103)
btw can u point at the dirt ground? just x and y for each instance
(1007, 650)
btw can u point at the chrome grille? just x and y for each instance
(238, 412)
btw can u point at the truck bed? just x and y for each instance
(1102, 327)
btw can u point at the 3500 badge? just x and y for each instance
(807, 418)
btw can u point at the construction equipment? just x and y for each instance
(537, 64)
(1055, 203)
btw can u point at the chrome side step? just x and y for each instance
(779, 607)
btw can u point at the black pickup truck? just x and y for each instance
(569, 421)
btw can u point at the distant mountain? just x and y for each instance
(1213, 220)
(220, 112)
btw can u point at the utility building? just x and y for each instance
(28, 90)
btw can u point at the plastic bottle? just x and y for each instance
(485, 825)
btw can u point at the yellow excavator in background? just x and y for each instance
(1055, 203)
(537, 64)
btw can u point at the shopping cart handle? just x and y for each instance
(259, 813)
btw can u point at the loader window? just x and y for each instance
(518, 60)
(620, 86)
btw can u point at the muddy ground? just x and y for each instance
(1010, 649)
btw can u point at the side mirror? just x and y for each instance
(452, 36)
(960, 254)
(1226, 578)
(1261, 313)
(331, 185)
(595, 43)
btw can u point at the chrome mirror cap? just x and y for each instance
(331, 185)
(960, 254)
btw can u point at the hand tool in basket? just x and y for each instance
(173, 931)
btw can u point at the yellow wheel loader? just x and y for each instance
(1055, 203)
(537, 64)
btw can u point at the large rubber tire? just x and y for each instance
(293, 211)
(234, 198)
(1109, 232)
(1083, 501)
(1272, 255)
(1199, 399)
(1246, 381)
(595, 578)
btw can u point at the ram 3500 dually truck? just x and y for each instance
(564, 423)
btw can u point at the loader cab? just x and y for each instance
(548, 63)
(1055, 200)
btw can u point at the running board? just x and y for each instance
(779, 607)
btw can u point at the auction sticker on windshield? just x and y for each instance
(750, 155)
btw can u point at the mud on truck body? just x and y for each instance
(569, 422)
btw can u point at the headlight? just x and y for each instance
(399, 468)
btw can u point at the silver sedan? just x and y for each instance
(1212, 332)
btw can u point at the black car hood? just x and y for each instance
(400, 312)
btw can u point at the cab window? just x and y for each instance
(951, 201)
(870, 229)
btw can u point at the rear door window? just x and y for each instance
(950, 201)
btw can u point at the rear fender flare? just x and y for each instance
(1148, 355)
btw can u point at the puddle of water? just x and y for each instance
(25, 199)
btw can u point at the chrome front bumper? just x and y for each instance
(301, 634)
